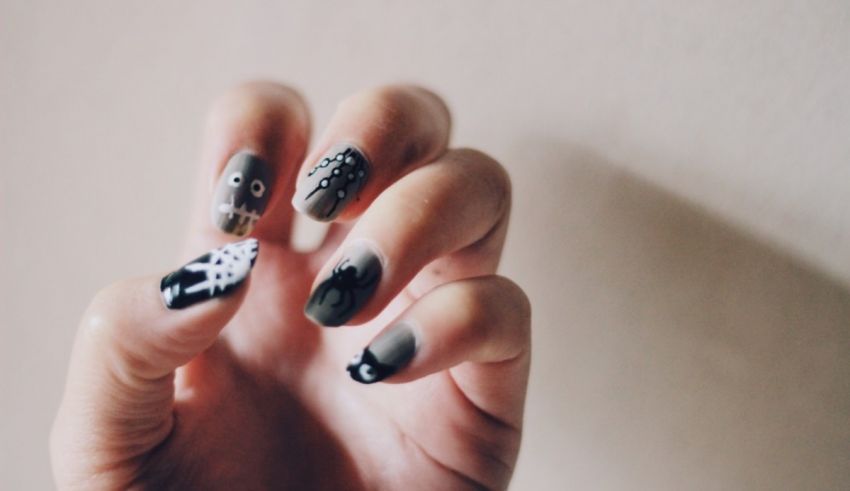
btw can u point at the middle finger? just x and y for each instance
(374, 137)
(454, 209)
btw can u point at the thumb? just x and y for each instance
(120, 388)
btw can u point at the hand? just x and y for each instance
(232, 387)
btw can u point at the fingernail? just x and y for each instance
(241, 194)
(387, 354)
(332, 183)
(214, 274)
(347, 287)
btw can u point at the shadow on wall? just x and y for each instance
(671, 351)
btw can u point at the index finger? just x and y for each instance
(256, 134)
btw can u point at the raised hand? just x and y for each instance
(215, 376)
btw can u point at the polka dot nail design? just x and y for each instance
(332, 183)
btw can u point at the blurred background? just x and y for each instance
(681, 218)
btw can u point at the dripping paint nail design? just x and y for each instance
(216, 273)
(347, 288)
(332, 183)
(387, 354)
(241, 194)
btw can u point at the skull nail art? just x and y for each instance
(347, 288)
(241, 194)
(332, 183)
(387, 354)
(216, 273)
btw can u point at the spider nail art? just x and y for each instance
(216, 273)
(387, 354)
(241, 194)
(346, 290)
(332, 183)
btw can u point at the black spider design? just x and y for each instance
(345, 280)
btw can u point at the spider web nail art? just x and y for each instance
(216, 273)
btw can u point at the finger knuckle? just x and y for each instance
(488, 174)
(515, 302)
(473, 300)
(507, 306)
(389, 108)
(104, 314)
(259, 102)
(105, 326)
(409, 122)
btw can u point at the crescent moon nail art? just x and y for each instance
(214, 274)
(386, 355)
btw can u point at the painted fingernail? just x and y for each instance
(332, 183)
(347, 288)
(241, 194)
(214, 274)
(386, 355)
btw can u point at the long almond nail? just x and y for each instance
(386, 355)
(214, 274)
(332, 183)
(241, 194)
(347, 287)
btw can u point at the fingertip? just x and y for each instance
(214, 274)
(387, 354)
(374, 137)
(149, 326)
(256, 134)
(482, 320)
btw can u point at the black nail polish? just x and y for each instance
(347, 288)
(214, 274)
(387, 354)
(332, 183)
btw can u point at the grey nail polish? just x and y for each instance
(332, 183)
(391, 351)
(216, 273)
(241, 194)
(347, 288)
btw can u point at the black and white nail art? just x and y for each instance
(241, 194)
(387, 354)
(332, 183)
(216, 273)
(346, 290)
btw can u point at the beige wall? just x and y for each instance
(681, 212)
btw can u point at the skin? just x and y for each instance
(243, 392)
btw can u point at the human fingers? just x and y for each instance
(481, 320)
(119, 392)
(255, 137)
(373, 138)
(475, 334)
(449, 215)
